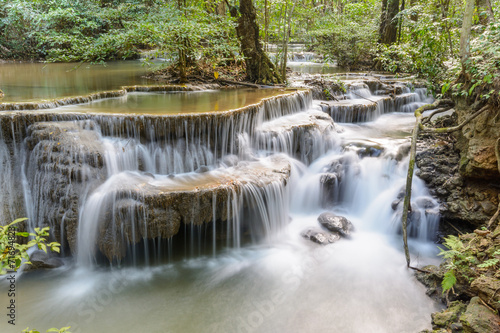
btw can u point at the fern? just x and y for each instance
(489, 263)
(449, 280)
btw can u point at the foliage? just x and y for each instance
(465, 261)
(12, 253)
(428, 41)
(482, 69)
(350, 35)
(98, 31)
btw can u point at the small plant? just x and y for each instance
(465, 261)
(460, 259)
(12, 253)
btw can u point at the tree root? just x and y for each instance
(429, 117)
(445, 130)
(495, 216)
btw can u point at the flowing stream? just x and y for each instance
(245, 187)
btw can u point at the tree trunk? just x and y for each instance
(485, 11)
(388, 26)
(266, 26)
(465, 33)
(259, 68)
(287, 39)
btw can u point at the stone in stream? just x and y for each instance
(337, 224)
(321, 237)
(42, 260)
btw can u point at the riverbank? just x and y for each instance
(470, 232)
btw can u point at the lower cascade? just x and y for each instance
(262, 204)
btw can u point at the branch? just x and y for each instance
(429, 117)
(455, 128)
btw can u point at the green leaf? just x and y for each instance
(488, 263)
(449, 280)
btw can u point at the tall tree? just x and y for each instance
(259, 67)
(388, 30)
(465, 33)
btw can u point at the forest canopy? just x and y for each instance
(419, 36)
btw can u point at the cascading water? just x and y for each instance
(204, 214)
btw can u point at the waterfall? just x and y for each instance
(139, 188)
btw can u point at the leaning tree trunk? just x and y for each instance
(259, 68)
(388, 30)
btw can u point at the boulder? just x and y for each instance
(487, 288)
(320, 236)
(479, 319)
(42, 260)
(449, 316)
(336, 224)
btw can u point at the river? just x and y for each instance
(266, 279)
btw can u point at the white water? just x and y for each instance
(278, 282)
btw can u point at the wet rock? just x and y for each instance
(65, 159)
(425, 203)
(487, 288)
(395, 204)
(137, 209)
(230, 160)
(305, 135)
(42, 260)
(337, 224)
(330, 188)
(202, 169)
(479, 319)
(320, 237)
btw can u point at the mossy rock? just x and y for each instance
(446, 317)
(479, 319)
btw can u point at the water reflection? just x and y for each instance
(36, 81)
(178, 102)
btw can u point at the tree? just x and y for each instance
(259, 67)
(465, 33)
(388, 25)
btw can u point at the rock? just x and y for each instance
(488, 289)
(160, 206)
(395, 204)
(425, 203)
(337, 224)
(403, 151)
(479, 319)
(65, 160)
(330, 188)
(320, 237)
(446, 317)
(305, 135)
(41, 260)
(202, 169)
(464, 202)
(456, 328)
(230, 160)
